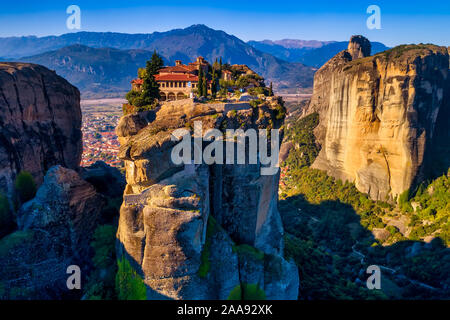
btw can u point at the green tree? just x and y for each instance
(150, 88)
(25, 186)
(101, 281)
(142, 73)
(403, 201)
(200, 85)
(247, 291)
(132, 96)
(271, 90)
(104, 246)
(205, 87)
(214, 84)
(216, 66)
(129, 285)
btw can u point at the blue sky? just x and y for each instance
(401, 21)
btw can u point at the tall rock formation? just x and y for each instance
(381, 115)
(201, 231)
(40, 122)
(359, 47)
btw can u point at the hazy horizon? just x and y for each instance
(259, 40)
(160, 31)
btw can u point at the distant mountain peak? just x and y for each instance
(294, 43)
(199, 26)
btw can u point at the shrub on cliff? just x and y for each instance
(403, 202)
(129, 285)
(25, 187)
(258, 90)
(205, 265)
(247, 291)
(131, 96)
(101, 283)
(104, 246)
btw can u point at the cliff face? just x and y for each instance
(200, 231)
(379, 115)
(40, 122)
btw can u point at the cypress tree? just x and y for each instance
(271, 90)
(214, 84)
(150, 88)
(205, 87)
(200, 83)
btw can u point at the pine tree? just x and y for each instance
(150, 88)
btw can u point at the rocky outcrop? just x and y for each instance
(187, 229)
(359, 47)
(55, 230)
(107, 180)
(379, 115)
(40, 121)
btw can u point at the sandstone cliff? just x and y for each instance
(201, 231)
(40, 121)
(381, 115)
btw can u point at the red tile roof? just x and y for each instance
(176, 77)
(175, 69)
(138, 81)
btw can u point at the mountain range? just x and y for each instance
(312, 53)
(102, 64)
(96, 72)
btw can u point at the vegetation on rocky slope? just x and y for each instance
(129, 284)
(247, 292)
(101, 281)
(334, 231)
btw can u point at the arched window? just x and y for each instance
(171, 96)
